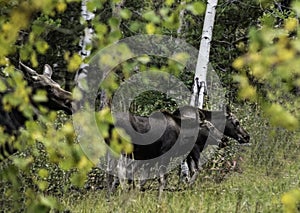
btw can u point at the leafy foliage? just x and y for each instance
(263, 172)
(49, 31)
(24, 29)
(269, 69)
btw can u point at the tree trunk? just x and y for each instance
(199, 89)
(201, 68)
(85, 41)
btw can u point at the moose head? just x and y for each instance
(58, 98)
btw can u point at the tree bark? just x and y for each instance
(199, 89)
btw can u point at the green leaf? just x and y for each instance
(43, 185)
(169, 2)
(42, 204)
(94, 4)
(2, 86)
(38, 29)
(144, 59)
(152, 17)
(296, 6)
(135, 26)
(115, 36)
(78, 179)
(23, 163)
(33, 59)
(114, 23)
(197, 8)
(74, 62)
(268, 20)
(164, 11)
(40, 96)
(43, 173)
(125, 13)
(101, 28)
(41, 46)
(150, 28)
(25, 52)
(281, 117)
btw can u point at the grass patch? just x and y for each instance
(266, 170)
(263, 173)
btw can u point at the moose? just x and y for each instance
(57, 99)
(206, 134)
(181, 134)
(224, 121)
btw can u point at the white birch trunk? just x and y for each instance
(85, 41)
(203, 57)
(181, 19)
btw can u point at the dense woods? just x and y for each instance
(254, 52)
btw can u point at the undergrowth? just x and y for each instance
(238, 179)
(260, 177)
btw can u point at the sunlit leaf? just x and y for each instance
(150, 28)
(144, 59)
(281, 117)
(74, 62)
(33, 59)
(40, 96)
(43, 204)
(43, 173)
(61, 7)
(296, 6)
(101, 28)
(42, 46)
(291, 201)
(169, 2)
(197, 8)
(43, 185)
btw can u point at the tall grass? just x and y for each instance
(265, 170)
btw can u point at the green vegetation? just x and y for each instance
(255, 51)
(265, 171)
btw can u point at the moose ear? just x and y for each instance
(27, 70)
(201, 115)
(47, 70)
(228, 110)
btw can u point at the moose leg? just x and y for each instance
(191, 166)
(184, 172)
(144, 176)
(122, 170)
(193, 162)
(130, 172)
(162, 185)
(194, 178)
(112, 181)
(196, 174)
(162, 181)
(115, 183)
